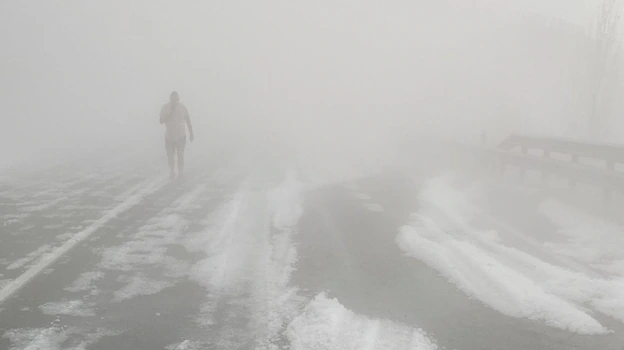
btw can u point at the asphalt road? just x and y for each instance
(228, 257)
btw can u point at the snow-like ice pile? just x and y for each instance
(42, 206)
(248, 244)
(55, 338)
(187, 345)
(36, 338)
(517, 282)
(588, 239)
(217, 271)
(85, 281)
(282, 301)
(69, 308)
(139, 285)
(327, 325)
(146, 250)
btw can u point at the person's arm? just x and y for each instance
(189, 125)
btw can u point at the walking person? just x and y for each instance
(176, 118)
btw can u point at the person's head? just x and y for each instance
(174, 97)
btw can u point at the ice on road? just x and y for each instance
(283, 258)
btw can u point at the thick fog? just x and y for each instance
(348, 78)
(351, 180)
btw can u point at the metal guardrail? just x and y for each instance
(576, 148)
(613, 181)
(607, 178)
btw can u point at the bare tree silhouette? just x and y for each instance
(605, 68)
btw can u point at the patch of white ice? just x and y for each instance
(325, 324)
(585, 238)
(85, 281)
(482, 275)
(187, 345)
(92, 338)
(249, 242)
(55, 338)
(69, 308)
(514, 282)
(43, 206)
(140, 285)
(48, 259)
(37, 338)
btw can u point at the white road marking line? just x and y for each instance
(47, 260)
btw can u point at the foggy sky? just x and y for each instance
(581, 12)
(81, 76)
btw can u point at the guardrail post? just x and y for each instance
(575, 160)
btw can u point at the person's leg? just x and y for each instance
(180, 148)
(170, 146)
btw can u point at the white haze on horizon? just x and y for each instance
(358, 76)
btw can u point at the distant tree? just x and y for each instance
(605, 68)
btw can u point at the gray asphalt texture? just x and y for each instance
(343, 249)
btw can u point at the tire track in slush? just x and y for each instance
(223, 272)
(246, 271)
